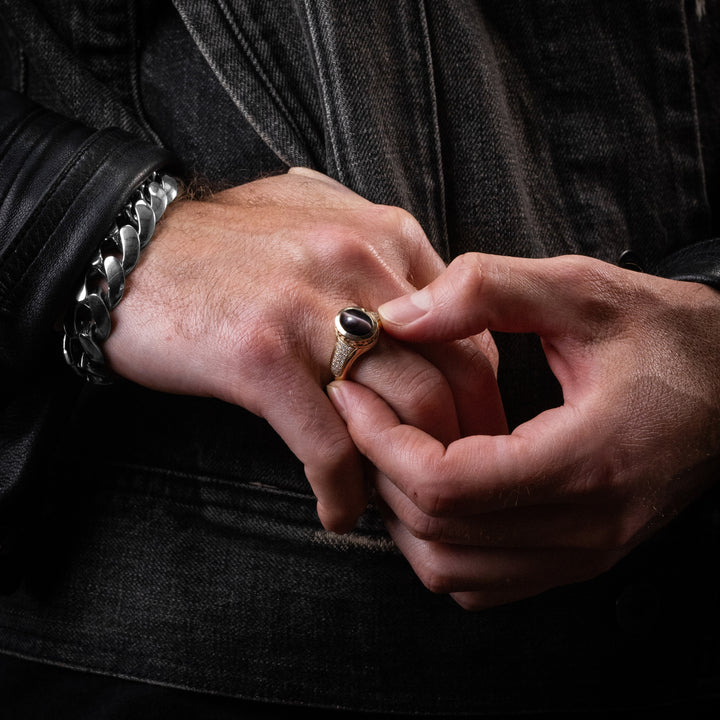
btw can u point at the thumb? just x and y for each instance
(478, 292)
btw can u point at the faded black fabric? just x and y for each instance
(53, 171)
(189, 554)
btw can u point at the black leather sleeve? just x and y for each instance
(61, 185)
(695, 263)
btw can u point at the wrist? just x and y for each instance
(88, 321)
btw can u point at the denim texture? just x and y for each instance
(193, 558)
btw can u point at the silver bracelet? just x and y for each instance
(87, 324)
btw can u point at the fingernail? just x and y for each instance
(335, 394)
(406, 309)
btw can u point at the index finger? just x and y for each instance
(547, 296)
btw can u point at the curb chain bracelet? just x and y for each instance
(87, 324)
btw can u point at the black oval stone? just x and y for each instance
(356, 322)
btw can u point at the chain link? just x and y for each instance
(88, 324)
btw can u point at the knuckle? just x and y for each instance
(595, 477)
(431, 498)
(474, 601)
(334, 450)
(425, 389)
(424, 526)
(383, 243)
(258, 342)
(410, 229)
(486, 352)
(435, 577)
(579, 268)
(599, 299)
(365, 247)
(333, 454)
(620, 534)
(480, 354)
(409, 245)
(467, 275)
(469, 267)
(609, 538)
(594, 565)
(400, 222)
(469, 262)
(341, 243)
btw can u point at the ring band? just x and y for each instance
(356, 331)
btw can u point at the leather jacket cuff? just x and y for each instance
(695, 263)
(62, 184)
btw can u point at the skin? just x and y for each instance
(492, 518)
(235, 298)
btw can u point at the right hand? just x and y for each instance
(492, 519)
(235, 298)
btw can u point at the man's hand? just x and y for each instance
(236, 296)
(492, 519)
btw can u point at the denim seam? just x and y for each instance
(695, 115)
(111, 111)
(133, 71)
(259, 128)
(221, 482)
(678, 166)
(169, 667)
(323, 84)
(436, 143)
(223, 689)
(257, 66)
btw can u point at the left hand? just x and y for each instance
(236, 296)
(496, 518)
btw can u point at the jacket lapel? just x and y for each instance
(376, 129)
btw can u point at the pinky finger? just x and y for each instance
(483, 577)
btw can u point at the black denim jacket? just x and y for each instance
(174, 539)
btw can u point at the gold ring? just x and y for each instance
(356, 331)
